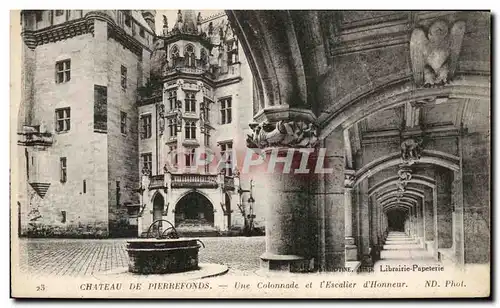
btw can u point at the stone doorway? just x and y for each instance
(194, 210)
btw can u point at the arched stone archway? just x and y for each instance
(194, 209)
(314, 88)
(158, 207)
(396, 218)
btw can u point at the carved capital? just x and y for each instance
(294, 134)
(349, 240)
(349, 178)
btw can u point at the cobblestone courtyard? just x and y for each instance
(76, 257)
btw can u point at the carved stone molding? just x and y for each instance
(70, 29)
(434, 52)
(295, 134)
(405, 175)
(81, 26)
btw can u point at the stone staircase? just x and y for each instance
(400, 246)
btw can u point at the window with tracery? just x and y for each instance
(190, 102)
(175, 55)
(189, 56)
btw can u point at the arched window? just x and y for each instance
(189, 57)
(174, 55)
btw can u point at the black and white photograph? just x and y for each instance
(183, 153)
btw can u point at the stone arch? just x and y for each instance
(431, 157)
(417, 179)
(405, 198)
(194, 208)
(395, 192)
(174, 55)
(273, 56)
(396, 93)
(398, 204)
(189, 55)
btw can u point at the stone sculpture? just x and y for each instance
(434, 55)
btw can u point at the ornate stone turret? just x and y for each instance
(186, 22)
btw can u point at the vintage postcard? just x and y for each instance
(250, 154)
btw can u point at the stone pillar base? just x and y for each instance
(351, 253)
(286, 263)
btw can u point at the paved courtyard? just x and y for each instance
(78, 257)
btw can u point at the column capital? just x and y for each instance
(281, 130)
(349, 178)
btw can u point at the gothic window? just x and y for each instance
(190, 130)
(189, 57)
(174, 55)
(141, 32)
(63, 119)
(172, 99)
(226, 152)
(63, 71)
(190, 102)
(226, 115)
(146, 126)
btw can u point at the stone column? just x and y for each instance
(351, 250)
(420, 222)
(374, 225)
(444, 210)
(458, 218)
(333, 202)
(476, 195)
(364, 212)
(284, 171)
(429, 215)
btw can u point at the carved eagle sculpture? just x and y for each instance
(434, 56)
